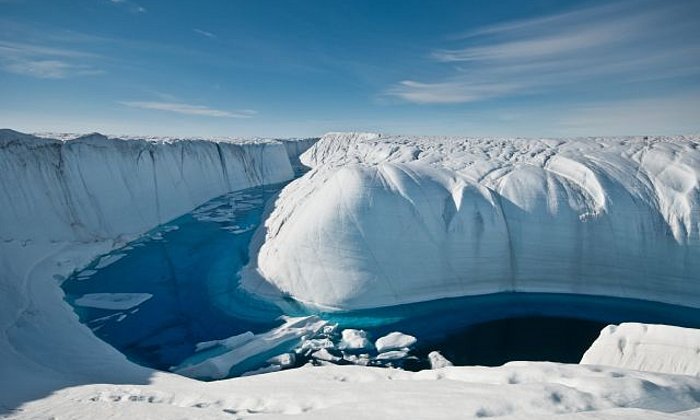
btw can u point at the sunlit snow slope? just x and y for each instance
(382, 220)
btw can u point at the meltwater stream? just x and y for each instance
(158, 297)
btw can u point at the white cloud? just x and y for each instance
(187, 109)
(45, 62)
(204, 33)
(449, 92)
(671, 114)
(129, 5)
(610, 45)
(47, 69)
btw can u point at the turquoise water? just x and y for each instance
(190, 267)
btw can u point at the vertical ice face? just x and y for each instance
(389, 220)
(95, 187)
(66, 201)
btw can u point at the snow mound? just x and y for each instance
(651, 348)
(384, 220)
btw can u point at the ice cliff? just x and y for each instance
(385, 220)
(66, 200)
(94, 187)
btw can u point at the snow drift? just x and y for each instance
(381, 221)
(651, 348)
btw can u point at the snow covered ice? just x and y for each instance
(378, 221)
(395, 220)
(394, 341)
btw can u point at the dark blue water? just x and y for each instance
(190, 267)
(496, 328)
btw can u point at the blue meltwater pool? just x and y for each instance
(166, 298)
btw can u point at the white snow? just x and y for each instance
(353, 339)
(230, 342)
(385, 220)
(651, 348)
(52, 366)
(280, 339)
(392, 355)
(325, 355)
(113, 301)
(95, 188)
(394, 341)
(514, 391)
(64, 203)
(438, 361)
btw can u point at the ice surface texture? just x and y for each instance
(381, 221)
(65, 201)
(94, 187)
(651, 348)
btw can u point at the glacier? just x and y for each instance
(71, 202)
(65, 200)
(387, 220)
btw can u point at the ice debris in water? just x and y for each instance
(112, 301)
(354, 340)
(296, 342)
(438, 361)
(394, 341)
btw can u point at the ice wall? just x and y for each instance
(95, 187)
(64, 201)
(651, 348)
(388, 220)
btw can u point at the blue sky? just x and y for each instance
(302, 68)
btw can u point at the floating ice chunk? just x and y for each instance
(86, 274)
(438, 361)
(113, 301)
(326, 356)
(283, 360)
(239, 229)
(101, 320)
(157, 236)
(109, 260)
(251, 354)
(317, 344)
(354, 340)
(392, 355)
(357, 359)
(231, 342)
(394, 341)
(330, 329)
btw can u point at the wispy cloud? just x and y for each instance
(45, 62)
(608, 45)
(205, 33)
(188, 109)
(129, 5)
